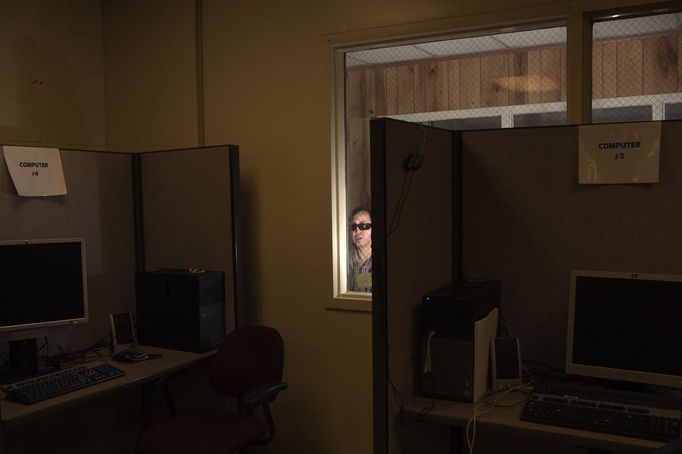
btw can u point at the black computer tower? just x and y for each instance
(180, 310)
(449, 315)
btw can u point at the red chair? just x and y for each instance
(247, 366)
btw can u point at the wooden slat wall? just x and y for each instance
(660, 64)
(620, 68)
(628, 67)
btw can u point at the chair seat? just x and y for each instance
(206, 433)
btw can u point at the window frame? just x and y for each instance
(578, 105)
(361, 301)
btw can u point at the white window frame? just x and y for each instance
(346, 300)
(506, 112)
(361, 301)
(657, 103)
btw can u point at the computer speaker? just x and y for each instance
(505, 356)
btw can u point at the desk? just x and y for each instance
(144, 373)
(457, 414)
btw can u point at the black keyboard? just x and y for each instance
(612, 417)
(62, 382)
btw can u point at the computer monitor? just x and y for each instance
(42, 283)
(625, 326)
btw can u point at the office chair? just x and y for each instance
(248, 366)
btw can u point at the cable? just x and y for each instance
(399, 400)
(427, 359)
(404, 191)
(83, 356)
(492, 405)
(504, 326)
(412, 164)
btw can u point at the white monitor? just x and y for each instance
(625, 326)
(42, 283)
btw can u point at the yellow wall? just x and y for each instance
(51, 74)
(151, 77)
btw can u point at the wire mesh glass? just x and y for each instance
(498, 80)
(636, 68)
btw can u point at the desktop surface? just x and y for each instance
(165, 362)
(507, 415)
(634, 414)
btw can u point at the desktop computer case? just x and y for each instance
(449, 318)
(180, 310)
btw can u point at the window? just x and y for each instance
(635, 64)
(673, 111)
(622, 114)
(489, 81)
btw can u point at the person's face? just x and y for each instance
(361, 238)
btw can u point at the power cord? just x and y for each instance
(83, 356)
(412, 164)
(490, 402)
(399, 400)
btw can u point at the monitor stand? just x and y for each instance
(22, 361)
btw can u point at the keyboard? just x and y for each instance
(61, 382)
(639, 420)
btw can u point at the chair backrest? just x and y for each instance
(248, 357)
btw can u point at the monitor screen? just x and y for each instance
(625, 326)
(42, 283)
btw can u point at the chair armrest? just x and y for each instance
(267, 392)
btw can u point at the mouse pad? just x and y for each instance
(124, 359)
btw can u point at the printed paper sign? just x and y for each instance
(35, 171)
(619, 153)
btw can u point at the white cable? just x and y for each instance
(427, 356)
(471, 424)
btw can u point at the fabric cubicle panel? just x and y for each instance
(527, 222)
(412, 254)
(187, 212)
(97, 208)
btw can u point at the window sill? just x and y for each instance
(355, 302)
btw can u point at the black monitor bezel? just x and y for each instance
(52, 323)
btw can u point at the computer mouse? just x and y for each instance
(129, 357)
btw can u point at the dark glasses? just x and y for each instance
(362, 226)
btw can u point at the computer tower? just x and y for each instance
(180, 309)
(458, 322)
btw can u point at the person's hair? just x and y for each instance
(357, 210)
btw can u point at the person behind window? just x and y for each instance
(360, 279)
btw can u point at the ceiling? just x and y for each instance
(514, 40)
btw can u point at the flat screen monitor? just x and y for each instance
(42, 283)
(625, 326)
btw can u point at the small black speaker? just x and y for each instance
(181, 309)
(505, 357)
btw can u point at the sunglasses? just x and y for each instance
(362, 226)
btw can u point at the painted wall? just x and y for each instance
(52, 74)
(150, 64)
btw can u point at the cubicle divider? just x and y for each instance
(189, 204)
(527, 222)
(415, 249)
(524, 221)
(183, 203)
(97, 208)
